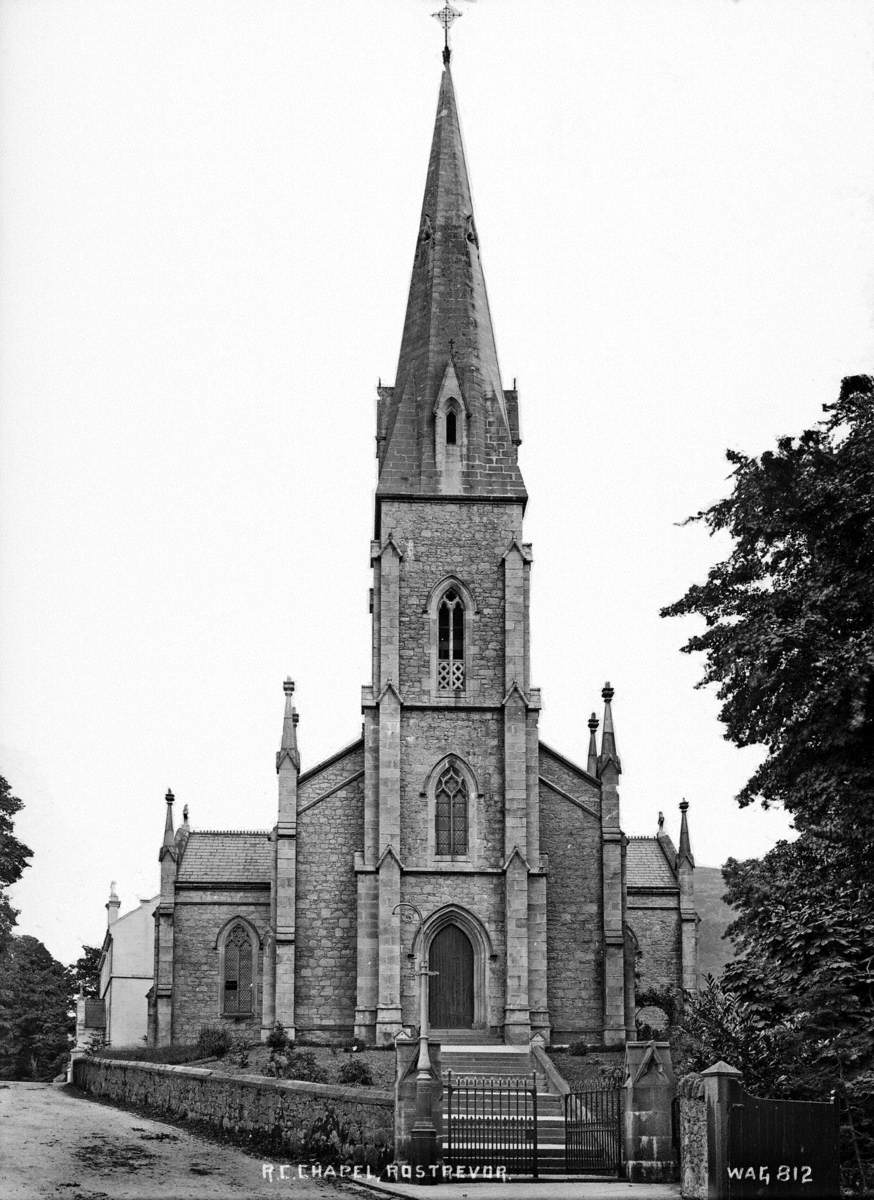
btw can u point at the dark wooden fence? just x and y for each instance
(783, 1148)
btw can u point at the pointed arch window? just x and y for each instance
(450, 642)
(451, 428)
(238, 975)
(451, 812)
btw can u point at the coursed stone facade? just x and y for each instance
(531, 898)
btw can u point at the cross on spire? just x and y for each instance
(447, 16)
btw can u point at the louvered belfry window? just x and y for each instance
(451, 812)
(450, 643)
(238, 973)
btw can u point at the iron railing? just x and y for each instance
(593, 1130)
(492, 1122)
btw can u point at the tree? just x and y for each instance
(36, 1011)
(789, 644)
(13, 858)
(86, 970)
(789, 638)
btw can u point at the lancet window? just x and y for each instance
(451, 812)
(450, 642)
(237, 989)
(451, 428)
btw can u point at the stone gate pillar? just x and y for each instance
(722, 1088)
(650, 1087)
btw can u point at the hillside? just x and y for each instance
(713, 951)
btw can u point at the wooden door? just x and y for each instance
(451, 994)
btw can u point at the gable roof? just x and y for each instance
(646, 864)
(568, 763)
(227, 856)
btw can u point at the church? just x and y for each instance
(539, 916)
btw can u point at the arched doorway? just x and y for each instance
(451, 989)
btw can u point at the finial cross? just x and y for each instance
(447, 16)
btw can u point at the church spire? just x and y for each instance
(684, 854)
(592, 761)
(447, 427)
(608, 737)
(168, 819)
(288, 745)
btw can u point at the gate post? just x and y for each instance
(650, 1087)
(406, 1088)
(722, 1088)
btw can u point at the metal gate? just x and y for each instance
(783, 1148)
(593, 1130)
(492, 1122)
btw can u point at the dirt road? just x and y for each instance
(54, 1142)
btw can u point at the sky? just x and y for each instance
(208, 213)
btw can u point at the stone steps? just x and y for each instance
(503, 1063)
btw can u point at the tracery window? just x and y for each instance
(450, 642)
(237, 983)
(451, 812)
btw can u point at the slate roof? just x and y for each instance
(646, 864)
(226, 857)
(448, 324)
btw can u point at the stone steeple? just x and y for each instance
(278, 997)
(684, 854)
(609, 753)
(688, 915)
(447, 427)
(592, 760)
(169, 841)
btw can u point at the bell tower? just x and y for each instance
(450, 718)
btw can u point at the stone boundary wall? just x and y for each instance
(693, 1138)
(283, 1116)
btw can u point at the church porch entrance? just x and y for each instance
(451, 994)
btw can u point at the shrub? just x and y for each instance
(296, 1064)
(94, 1045)
(213, 1041)
(277, 1038)
(578, 1048)
(239, 1053)
(356, 1072)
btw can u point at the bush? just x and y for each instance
(296, 1064)
(356, 1072)
(213, 1041)
(578, 1049)
(239, 1053)
(277, 1038)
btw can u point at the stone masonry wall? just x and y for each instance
(320, 779)
(477, 737)
(568, 779)
(291, 1117)
(199, 917)
(574, 938)
(655, 921)
(481, 895)
(328, 834)
(693, 1138)
(467, 540)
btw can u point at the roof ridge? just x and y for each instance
(241, 832)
